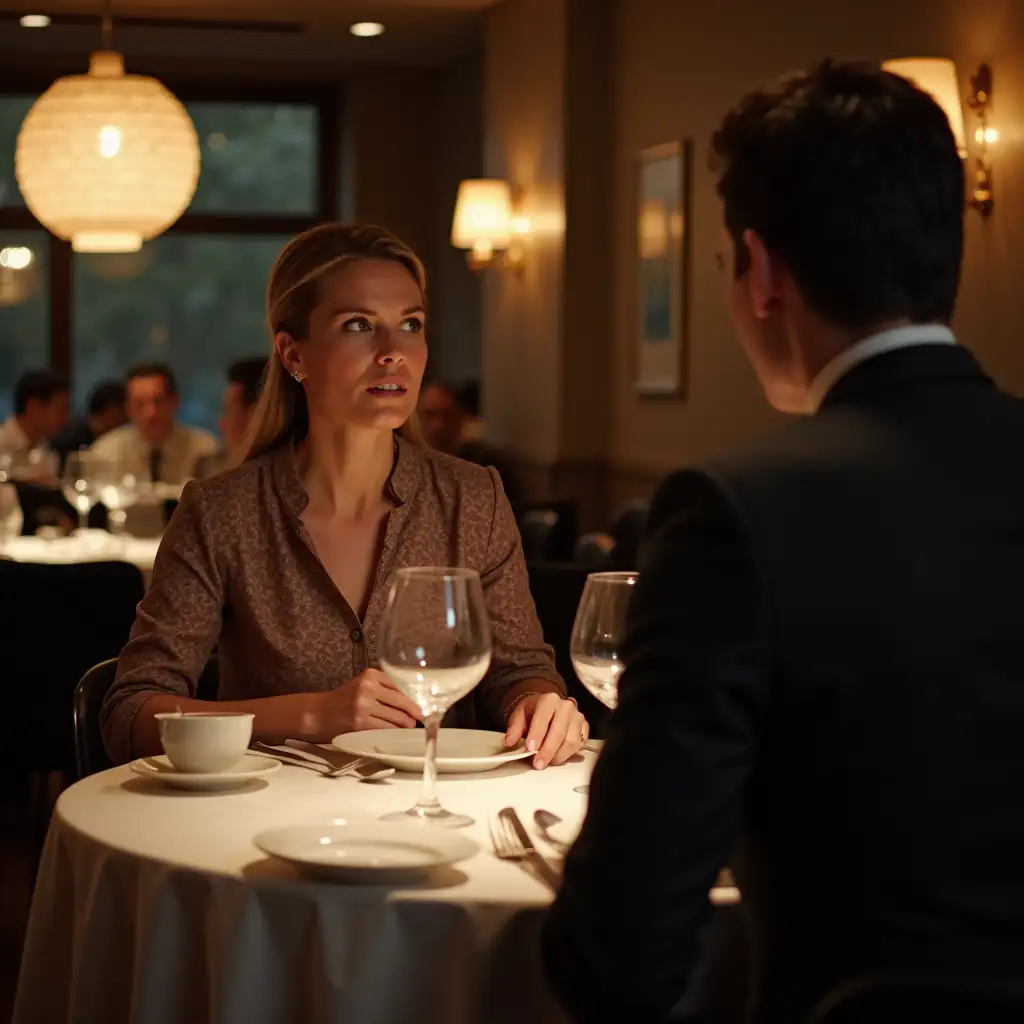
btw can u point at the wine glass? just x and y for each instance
(10, 513)
(79, 487)
(118, 489)
(598, 633)
(435, 646)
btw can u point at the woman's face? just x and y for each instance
(364, 358)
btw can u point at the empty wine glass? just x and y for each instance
(10, 513)
(79, 487)
(598, 633)
(435, 646)
(118, 489)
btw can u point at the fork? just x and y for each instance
(508, 846)
(300, 759)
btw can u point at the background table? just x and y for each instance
(154, 906)
(95, 546)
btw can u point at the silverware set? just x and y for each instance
(512, 842)
(365, 769)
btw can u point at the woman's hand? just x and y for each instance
(553, 726)
(368, 701)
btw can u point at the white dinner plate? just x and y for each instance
(564, 832)
(458, 750)
(366, 851)
(248, 768)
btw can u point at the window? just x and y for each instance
(194, 297)
(12, 112)
(24, 309)
(195, 302)
(256, 158)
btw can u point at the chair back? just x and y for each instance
(593, 551)
(627, 530)
(560, 537)
(934, 999)
(90, 754)
(537, 526)
(557, 588)
(57, 621)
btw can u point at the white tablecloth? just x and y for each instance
(94, 546)
(154, 906)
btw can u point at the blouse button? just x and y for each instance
(356, 636)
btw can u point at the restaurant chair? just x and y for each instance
(57, 621)
(90, 754)
(537, 527)
(560, 537)
(931, 999)
(556, 588)
(627, 530)
(593, 551)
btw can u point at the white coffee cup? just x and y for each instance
(204, 741)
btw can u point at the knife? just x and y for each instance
(533, 858)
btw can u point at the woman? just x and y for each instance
(283, 563)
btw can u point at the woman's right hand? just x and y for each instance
(368, 701)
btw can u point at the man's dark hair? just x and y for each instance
(104, 396)
(248, 373)
(468, 397)
(153, 370)
(850, 175)
(37, 385)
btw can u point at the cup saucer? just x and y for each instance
(248, 768)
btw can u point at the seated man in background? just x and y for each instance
(442, 420)
(41, 408)
(824, 672)
(153, 445)
(245, 377)
(105, 411)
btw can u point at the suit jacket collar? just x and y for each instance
(904, 367)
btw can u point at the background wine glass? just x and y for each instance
(79, 487)
(118, 489)
(598, 633)
(10, 513)
(435, 646)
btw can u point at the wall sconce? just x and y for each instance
(937, 76)
(486, 224)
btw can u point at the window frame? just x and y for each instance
(326, 101)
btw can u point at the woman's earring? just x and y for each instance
(298, 376)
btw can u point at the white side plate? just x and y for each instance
(248, 768)
(458, 750)
(366, 851)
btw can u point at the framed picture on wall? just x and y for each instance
(662, 274)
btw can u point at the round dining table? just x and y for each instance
(92, 546)
(154, 905)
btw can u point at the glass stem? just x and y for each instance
(83, 521)
(428, 802)
(117, 518)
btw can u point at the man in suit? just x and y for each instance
(825, 676)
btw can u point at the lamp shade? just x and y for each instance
(107, 160)
(483, 215)
(937, 77)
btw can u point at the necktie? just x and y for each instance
(155, 456)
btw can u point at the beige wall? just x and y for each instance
(522, 330)
(678, 67)
(558, 343)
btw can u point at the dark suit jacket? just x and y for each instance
(826, 680)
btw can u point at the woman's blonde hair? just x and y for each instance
(281, 415)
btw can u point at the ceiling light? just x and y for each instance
(366, 29)
(34, 20)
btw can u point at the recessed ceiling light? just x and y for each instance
(34, 20)
(366, 29)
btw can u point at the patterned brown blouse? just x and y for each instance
(236, 571)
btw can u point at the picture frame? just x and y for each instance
(662, 217)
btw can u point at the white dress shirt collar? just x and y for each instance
(868, 348)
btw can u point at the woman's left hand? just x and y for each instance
(552, 725)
